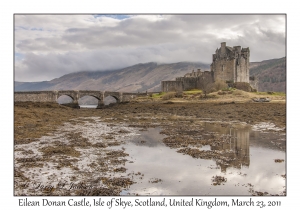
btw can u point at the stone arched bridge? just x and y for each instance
(52, 96)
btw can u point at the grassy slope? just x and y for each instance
(237, 96)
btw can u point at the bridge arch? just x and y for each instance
(71, 93)
(115, 95)
(110, 100)
(83, 95)
(62, 99)
(95, 94)
(88, 100)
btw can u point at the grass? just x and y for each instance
(238, 93)
(158, 95)
(193, 91)
(187, 92)
(235, 93)
(169, 95)
(271, 93)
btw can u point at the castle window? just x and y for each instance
(223, 67)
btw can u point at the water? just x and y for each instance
(253, 168)
(89, 106)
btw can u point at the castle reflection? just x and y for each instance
(235, 149)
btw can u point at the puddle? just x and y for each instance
(252, 167)
(205, 147)
(88, 106)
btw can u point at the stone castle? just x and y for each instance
(230, 64)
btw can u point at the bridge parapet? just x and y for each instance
(35, 96)
(52, 96)
(96, 94)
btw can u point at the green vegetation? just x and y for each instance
(157, 95)
(271, 93)
(193, 91)
(169, 95)
(215, 91)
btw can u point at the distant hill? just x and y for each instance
(137, 78)
(147, 77)
(271, 74)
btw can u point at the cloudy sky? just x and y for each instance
(49, 46)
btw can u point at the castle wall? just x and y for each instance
(171, 86)
(242, 71)
(188, 83)
(224, 70)
(206, 79)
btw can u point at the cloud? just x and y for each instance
(49, 46)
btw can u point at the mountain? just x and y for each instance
(271, 75)
(137, 78)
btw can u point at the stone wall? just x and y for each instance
(197, 81)
(36, 96)
(188, 83)
(242, 71)
(224, 70)
(126, 97)
(170, 86)
(206, 79)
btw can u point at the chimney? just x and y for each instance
(223, 47)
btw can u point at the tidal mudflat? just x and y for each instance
(150, 149)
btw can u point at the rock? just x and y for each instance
(261, 99)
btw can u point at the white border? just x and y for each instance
(8, 8)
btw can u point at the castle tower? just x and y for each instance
(231, 64)
(223, 49)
